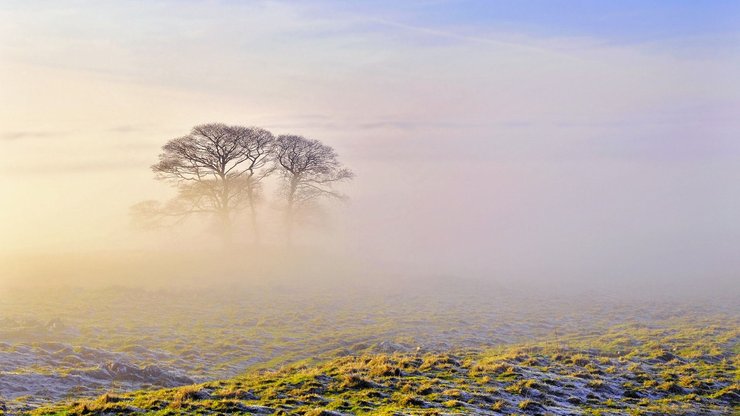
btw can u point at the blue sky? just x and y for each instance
(615, 21)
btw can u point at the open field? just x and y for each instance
(631, 369)
(475, 347)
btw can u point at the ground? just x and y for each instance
(458, 351)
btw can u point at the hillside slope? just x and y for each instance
(686, 368)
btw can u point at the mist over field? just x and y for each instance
(335, 208)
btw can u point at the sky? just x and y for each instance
(532, 138)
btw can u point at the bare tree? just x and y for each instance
(216, 169)
(258, 145)
(309, 169)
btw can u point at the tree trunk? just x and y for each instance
(289, 214)
(253, 214)
(227, 232)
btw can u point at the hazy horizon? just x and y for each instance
(598, 144)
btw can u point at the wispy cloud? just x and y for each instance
(22, 135)
(392, 124)
(452, 35)
(74, 167)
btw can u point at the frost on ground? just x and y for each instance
(505, 351)
(688, 368)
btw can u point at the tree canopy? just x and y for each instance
(219, 169)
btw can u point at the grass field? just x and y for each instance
(460, 349)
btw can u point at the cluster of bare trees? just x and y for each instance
(219, 170)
